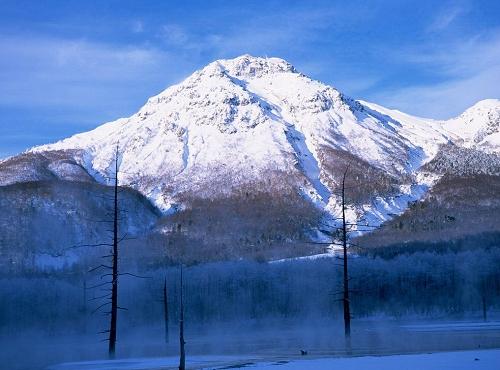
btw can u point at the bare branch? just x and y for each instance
(101, 306)
(99, 285)
(137, 276)
(100, 297)
(100, 266)
(90, 245)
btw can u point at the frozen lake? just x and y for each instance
(263, 343)
(459, 360)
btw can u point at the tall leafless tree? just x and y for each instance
(342, 233)
(111, 270)
(114, 267)
(165, 310)
(182, 342)
(346, 301)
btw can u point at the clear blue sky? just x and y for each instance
(68, 66)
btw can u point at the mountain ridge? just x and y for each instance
(295, 103)
(257, 123)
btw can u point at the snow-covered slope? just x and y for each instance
(478, 126)
(259, 122)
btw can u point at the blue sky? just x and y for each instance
(68, 66)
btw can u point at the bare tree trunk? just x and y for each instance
(483, 299)
(114, 274)
(182, 360)
(84, 303)
(165, 310)
(84, 307)
(485, 315)
(347, 310)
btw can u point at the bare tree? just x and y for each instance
(342, 233)
(483, 292)
(84, 295)
(165, 310)
(114, 267)
(346, 301)
(110, 271)
(182, 342)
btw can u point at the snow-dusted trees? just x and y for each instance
(231, 227)
(453, 160)
(413, 284)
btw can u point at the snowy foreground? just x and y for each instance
(434, 361)
(466, 360)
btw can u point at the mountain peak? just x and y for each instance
(479, 125)
(239, 121)
(250, 67)
(483, 112)
(486, 104)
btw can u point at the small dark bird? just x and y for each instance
(303, 353)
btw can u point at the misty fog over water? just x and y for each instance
(410, 303)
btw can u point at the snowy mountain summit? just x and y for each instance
(479, 125)
(258, 123)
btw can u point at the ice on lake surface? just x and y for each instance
(376, 346)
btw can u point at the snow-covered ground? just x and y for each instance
(467, 360)
(463, 360)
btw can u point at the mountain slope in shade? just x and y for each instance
(260, 125)
(43, 222)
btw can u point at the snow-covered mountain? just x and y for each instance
(478, 126)
(258, 123)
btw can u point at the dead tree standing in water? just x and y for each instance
(111, 271)
(342, 233)
(114, 266)
(165, 310)
(346, 302)
(182, 342)
(111, 296)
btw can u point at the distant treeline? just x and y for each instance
(428, 284)
(466, 243)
